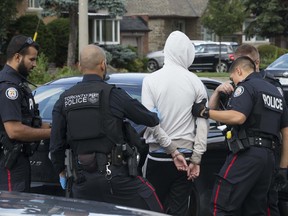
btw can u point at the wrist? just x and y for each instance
(205, 113)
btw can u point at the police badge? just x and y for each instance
(93, 97)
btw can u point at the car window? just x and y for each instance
(280, 63)
(133, 91)
(46, 97)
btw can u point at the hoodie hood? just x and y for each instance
(179, 50)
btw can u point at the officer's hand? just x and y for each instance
(198, 108)
(63, 180)
(281, 178)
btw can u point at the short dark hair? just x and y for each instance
(247, 50)
(244, 62)
(19, 44)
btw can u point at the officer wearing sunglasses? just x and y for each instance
(21, 128)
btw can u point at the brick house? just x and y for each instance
(164, 16)
(28, 6)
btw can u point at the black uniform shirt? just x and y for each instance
(121, 105)
(11, 97)
(247, 93)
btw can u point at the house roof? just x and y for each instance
(133, 23)
(182, 8)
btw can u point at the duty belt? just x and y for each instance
(262, 142)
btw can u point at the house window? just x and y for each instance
(106, 31)
(180, 25)
(33, 4)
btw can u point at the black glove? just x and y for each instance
(281, 179)
(198, 109)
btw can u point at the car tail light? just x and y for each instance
(231, 57)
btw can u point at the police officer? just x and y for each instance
(256, 112)
(89, 119)
(20, 122)
(220, 95)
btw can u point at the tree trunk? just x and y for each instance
(219, 60)
(73, 36)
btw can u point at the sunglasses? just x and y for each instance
(27, 43)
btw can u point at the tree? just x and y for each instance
(60, 30)
(223, 17)
(115, 7)
(270, 17)
(27, 25)
(8, 13)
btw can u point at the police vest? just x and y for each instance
(29, 109)
(91, 127)
(266, 115)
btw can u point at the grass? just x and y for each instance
(212, 74)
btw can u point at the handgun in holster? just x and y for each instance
(11, 151)
(71, 171)
(132, 159)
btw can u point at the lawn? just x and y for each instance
(212, 74)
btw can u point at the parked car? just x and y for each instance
(279, 68)
(212, 160)
(206, 57)
(16, 204)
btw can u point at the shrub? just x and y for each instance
(27, 25)
(66, 71)
(39, 75)
(269, 53)
(60, 30)
(125, 58)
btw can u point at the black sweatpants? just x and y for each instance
(171, 185)
(243, 183)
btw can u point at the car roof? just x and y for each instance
(17, 203)
(133, 78)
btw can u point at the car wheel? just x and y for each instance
(221, 67)
(152, 65)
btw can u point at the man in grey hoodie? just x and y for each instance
(174, 157)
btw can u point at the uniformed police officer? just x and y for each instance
(89, 118)
(224, 91)
(256, 112)
(20, 122)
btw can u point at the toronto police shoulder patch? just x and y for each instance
(239, 91)
(11, 93)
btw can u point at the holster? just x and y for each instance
(30, 148)
(11, 151)
(239, 140)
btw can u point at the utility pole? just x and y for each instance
(83, 24)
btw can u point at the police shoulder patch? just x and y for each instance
(239, 91)
(11, 93)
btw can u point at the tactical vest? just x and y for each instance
(262, 122)
(91, 127)
(29, 109)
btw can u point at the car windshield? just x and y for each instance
(280, 63)
(46, 96)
